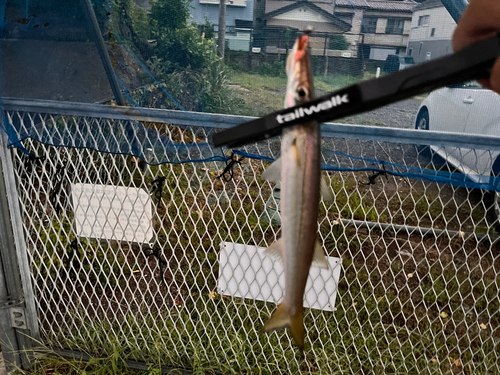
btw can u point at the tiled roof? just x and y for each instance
(387, 5)
(322, 8)
(271, 5)
(429, 4)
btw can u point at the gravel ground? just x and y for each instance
(397, 115)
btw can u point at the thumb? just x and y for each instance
(494, 81)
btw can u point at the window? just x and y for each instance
(433, 30)
(467, 85)
(395, 26)
(420, 49)
(423, 20)
(369, 25)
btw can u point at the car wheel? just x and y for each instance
(494, 199)
(495, 209)
(422, 123)
(422, 120)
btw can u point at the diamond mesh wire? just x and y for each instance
(418, 293)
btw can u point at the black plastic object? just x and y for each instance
(472, 62)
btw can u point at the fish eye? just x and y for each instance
(301, 92)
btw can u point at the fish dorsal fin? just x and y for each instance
(273, 172)
(275, 250)
(325, 191)
(319, 257)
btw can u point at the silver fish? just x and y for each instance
(299, 170)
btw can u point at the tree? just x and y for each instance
(338, 42)
(169, 14)
(175, 40)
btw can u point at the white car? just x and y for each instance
(466, 108)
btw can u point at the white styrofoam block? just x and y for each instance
(244, 271)
(112, 212)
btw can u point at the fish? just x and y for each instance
(299, 170)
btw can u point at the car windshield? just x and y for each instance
(467, 85)
(409, 60)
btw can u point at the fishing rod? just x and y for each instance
(471, 63)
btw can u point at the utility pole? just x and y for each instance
(221, 40)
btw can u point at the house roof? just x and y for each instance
(428, 4)
(275, 8)
(385, 5)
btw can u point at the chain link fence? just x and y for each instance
(418, 290)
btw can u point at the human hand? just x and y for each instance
(480, 20)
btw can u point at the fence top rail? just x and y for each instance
(186, 118)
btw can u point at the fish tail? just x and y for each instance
(282, 319)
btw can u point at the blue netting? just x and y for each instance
(158, 65)
(130, 137)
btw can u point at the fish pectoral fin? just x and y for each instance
(273, 172)
(275, 250)
(280, 318)
(325, 191)
(319, 257)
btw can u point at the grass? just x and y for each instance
(395, 313)
(49, 362)
(374, 329)
(264, 94)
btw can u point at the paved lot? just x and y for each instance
(397, 115)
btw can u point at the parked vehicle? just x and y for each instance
(394, 63)
(466, 108)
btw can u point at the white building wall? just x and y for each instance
(421, 45)
(302, 14)
(439, 20)
(407, 27)
(381, 25)
(353, 36)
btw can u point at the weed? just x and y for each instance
(405, 302)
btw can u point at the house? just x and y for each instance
(379, 27)
(431, 31)
(283, 18)
(373, 28)
(239, 19)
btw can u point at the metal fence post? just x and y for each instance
(18, 316)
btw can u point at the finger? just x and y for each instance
(480, 20)
(485, 82)
(495, 77)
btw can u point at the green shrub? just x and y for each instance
(274, 69)
(338, 42)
